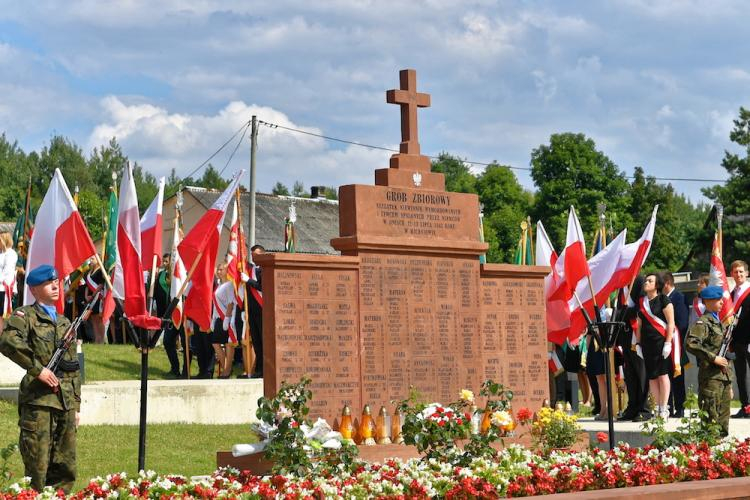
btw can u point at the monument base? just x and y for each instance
(392, 177)
(259, 466)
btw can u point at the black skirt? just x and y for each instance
(656, 365)
(219, 335)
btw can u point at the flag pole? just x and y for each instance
(719, 219)
(100, 265)
(152, 279)
(247, 345)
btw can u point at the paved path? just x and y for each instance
(630, 432)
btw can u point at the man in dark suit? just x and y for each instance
(681, 322)
(741, 334)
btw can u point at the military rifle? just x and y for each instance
(723, 350)
(56, 362)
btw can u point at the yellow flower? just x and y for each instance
(467, 395)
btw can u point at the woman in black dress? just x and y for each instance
(655, 331)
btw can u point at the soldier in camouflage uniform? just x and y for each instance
(48, 403)
(714, 373)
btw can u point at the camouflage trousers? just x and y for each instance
(48, 446)
(713, 398)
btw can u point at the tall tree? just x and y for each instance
(280, 189)
(506, 204)
(678, 222)
(458, 177)
(571, 171)
(298, 189)
(733, 195)
(16, 169)
(64, 154)
(105, 161)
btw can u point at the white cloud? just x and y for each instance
(545, 85)
(161, 141)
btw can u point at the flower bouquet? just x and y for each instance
(554, 429)
(292, 442)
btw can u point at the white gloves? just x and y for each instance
(639, 351)
(225, 324)
(748, 349)
(666, 350)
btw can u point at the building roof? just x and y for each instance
(317, 219)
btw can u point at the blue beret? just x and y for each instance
(712, 292)
(41, 274)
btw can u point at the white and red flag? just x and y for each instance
(151, 231)
(602, 266)
(127, 277)
(236, 255)
(199, 249)
(558, 313)
(634, 255)
(60, 236)
(571, 266)
(718, 277)
(178, 274)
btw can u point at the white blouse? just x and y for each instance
(8, 261)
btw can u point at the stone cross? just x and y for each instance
(409, 99)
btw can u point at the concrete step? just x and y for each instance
(230, 401)
(10, 373)
(631, 432)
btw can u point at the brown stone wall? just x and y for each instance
(310, 327)
(513, 331)
(419, 317)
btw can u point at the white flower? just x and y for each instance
(501, 418)
(332, 444)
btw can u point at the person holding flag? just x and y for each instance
(655, 334)
(255, 310)
(48, 403)
(714, 373)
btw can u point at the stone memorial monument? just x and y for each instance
(407, 303)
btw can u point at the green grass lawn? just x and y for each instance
(188, 449)
(123, 362)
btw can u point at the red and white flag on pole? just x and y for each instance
(127, 278)
(60, 236)
(571, 266)
(558, 313)
(236, 255)
(634, 255)
(718, 277)
(201, 245)
(151, 230)
(602, 266)
(178, 274)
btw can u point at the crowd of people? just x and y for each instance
(214, 350)
(657, 314)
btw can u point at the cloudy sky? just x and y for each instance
(654, 83)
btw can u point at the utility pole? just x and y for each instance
(253, 147)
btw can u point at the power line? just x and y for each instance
(470, 162)
(242, 129)
(236, 147)
(244, 126)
